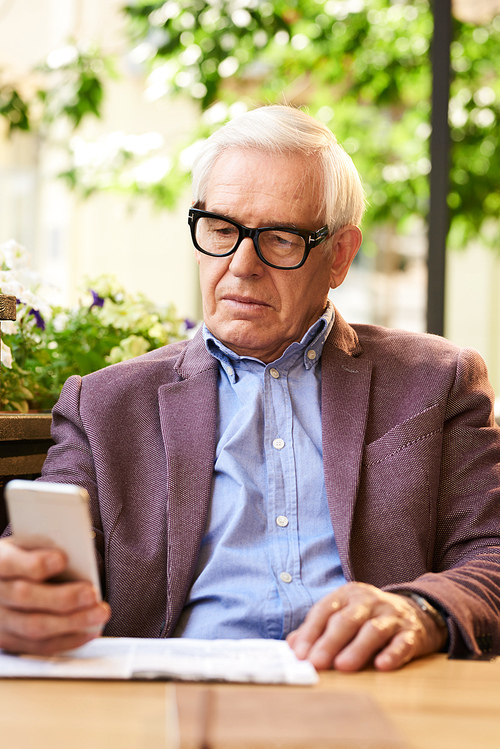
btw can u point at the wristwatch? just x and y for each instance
(427, 607)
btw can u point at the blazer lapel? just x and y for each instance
(188, 416)
(345, 378)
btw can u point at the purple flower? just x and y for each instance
(97, 301)
(189, 324)
(40, 322)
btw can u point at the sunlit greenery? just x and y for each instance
(361, 66)
(68, 85)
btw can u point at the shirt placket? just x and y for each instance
(282, 491)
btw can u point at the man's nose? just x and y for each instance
(245, 261)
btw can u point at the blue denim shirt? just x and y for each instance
(269, 551)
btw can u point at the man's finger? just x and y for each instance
(316, 621)
(15, 644)
(342, 627)
(33, 564)
(303, 638)
(401, 650)
(36, 628)
(63, 598)
(371, 638)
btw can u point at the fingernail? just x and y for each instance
(52, 563)
(87, 597)
(301, 650)
(384, 660)
(320, 658)
(95, 618)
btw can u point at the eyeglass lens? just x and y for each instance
(219, 237)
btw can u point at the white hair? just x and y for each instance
(279, 129)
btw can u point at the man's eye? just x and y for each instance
(220, 228)
(283, 241)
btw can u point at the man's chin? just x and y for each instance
(246, 338)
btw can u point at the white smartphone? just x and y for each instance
(46, 515)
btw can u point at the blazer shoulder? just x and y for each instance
(382, 344)
(422, 361)
(378, 341)
(168, 364)
(162, 359)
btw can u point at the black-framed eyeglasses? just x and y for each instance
(277, 246)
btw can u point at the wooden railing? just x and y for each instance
(24, 441)
(24, 438)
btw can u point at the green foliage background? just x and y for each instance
(362, 66)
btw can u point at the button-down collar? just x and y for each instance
(310, 347)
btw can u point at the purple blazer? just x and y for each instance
(411, 460)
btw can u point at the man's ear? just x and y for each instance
(345, 244)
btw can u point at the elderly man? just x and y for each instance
(283, 474)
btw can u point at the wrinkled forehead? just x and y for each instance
(279, 180)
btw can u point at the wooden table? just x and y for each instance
(434, 703)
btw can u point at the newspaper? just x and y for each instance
(259, 661)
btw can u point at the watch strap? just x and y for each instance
(427, 607)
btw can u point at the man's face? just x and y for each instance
(253, 309)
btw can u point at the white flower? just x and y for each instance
(6, 355)
(60, 321)
(9, 327)
(12, 287)
(17, 279)
(13, 255)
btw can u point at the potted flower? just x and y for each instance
(47, 343)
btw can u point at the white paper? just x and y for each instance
(260, 661)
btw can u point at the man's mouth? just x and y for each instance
(244, 300)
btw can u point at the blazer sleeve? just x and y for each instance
(466, 582)
(71, 459)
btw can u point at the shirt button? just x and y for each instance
(285, 577)
(274, 373)
(282, 521)
(230, 371)
(311, 354)
(278, 443)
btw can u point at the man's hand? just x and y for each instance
(37, 617)
(359, 624)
